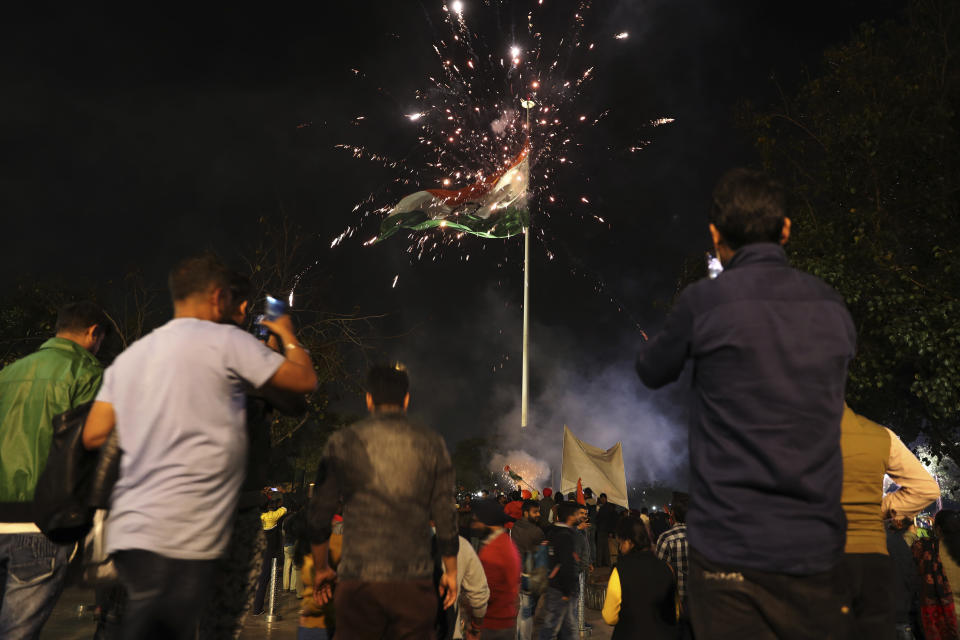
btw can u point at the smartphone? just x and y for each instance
(714, 267)
(260, 331)
(274, 308)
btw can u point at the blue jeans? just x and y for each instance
(558, 617)
(528, 605)
(305, 633)
(32, 572)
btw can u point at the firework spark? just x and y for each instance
(470, 123)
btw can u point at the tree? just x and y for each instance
(276, 263)
(868, 151)
(28, 317)
(29, 313)
(279, 265)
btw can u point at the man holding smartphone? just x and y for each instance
(177, 399)
(770, 347)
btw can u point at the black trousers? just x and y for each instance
(869, 577)
(274, 552)
(165, 595)
(603, 547)
(732, 603)
(399, 610)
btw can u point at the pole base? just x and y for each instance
(271, 618)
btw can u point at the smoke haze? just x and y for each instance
(586, 382)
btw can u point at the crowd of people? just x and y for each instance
(787, 531)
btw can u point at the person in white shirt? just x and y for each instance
(177, 400)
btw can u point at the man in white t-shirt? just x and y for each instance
(177, 400)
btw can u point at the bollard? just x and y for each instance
(581, 627)
(271, 611)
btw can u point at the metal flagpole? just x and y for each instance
(525, 382)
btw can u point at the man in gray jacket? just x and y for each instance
(385, 469)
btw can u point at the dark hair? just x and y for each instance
(199, 274)
(588, 492)
(602, 495)
(572, 495)
(565, 510)
(632, 528)
(80, 316)
(948, 521)
(515, 495)
(387, 384)
(529, 504)
(679, 511)
(241, 289)
(748, 207)
(658, 524)
(644, 510)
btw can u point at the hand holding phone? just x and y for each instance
(274, 308)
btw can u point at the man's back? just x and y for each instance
(34, 389)
(770, 347)
(671, 547)
(394, 477)
(178, 396)
(501, 565)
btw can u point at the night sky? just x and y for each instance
(131, 140)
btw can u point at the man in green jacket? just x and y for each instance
(64, 373)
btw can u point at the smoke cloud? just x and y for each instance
(471, 388)
(602, 403)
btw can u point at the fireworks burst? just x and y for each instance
(534, 472)
(470, 122)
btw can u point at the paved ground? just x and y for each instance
(73, 620)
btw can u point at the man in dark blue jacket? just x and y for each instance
(559, 621)
(770, 347)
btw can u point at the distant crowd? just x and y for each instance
(787, 531)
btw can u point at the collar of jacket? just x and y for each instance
(757, 253)
(62, 344)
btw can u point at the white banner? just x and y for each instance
(601, 470)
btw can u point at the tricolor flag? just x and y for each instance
(495, 207)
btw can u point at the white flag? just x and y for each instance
(601, 470)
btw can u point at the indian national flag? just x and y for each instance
(495, 207)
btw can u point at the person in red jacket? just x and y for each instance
(501, 564)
